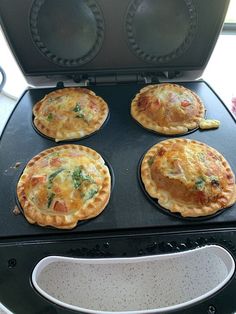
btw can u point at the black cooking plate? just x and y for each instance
(122, 142)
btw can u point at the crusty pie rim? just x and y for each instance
(151, 125)
(173, 205)
(65, 221)
(91, 129)
(175, 214)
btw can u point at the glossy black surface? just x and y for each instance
(161, 30)
(67, 33)
(122, 142)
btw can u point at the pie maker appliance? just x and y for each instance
(113, 48)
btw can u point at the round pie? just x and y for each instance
(188, 177)
(167, 108)
(64, 184)
(69, 113)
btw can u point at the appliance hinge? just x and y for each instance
(114, 78)
(171, 74)
(117, 79)
(60, 84)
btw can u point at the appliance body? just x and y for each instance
(111, 48)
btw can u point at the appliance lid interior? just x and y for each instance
(102, 37)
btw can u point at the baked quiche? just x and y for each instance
(70, 113)
(63, 185)
(168, 109)
(188, 177)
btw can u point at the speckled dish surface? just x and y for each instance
(147, 284)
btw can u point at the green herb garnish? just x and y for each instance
(50, 199)
(77, 108)
(79, 111)
(201, 157)
(79, 176)
(90, 193)
(151, 160)
(52, 177)
(200, 183)
(50, 117)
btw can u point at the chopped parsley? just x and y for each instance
(90, 193)
(50, 199)
(82, 113)
(52, 177)
(50, 117)
(151, 160)
(79, 111)
(79, 176)
(200, 184)
(77, 108)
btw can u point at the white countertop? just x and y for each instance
(220, 72)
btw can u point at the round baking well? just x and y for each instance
(69, 33)
(166, 211)
(159, 31)
(147, 284)
(111, 171)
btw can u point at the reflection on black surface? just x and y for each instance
(67, 30)
(160, 30)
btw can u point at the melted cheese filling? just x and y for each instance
(62, 183)
(69, 113)
(168, 107)
(190, 172)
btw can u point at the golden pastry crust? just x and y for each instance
(70, 113)
(188, 177)
(64, 184)
(167, 108)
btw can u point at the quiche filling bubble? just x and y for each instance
(188, 177)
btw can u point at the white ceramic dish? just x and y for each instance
(4, 310)
(148, 284)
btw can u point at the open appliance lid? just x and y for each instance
(97, 37)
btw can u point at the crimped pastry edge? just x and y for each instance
(149, 124)
(93, 207)
(42, 128)
(175, 206)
